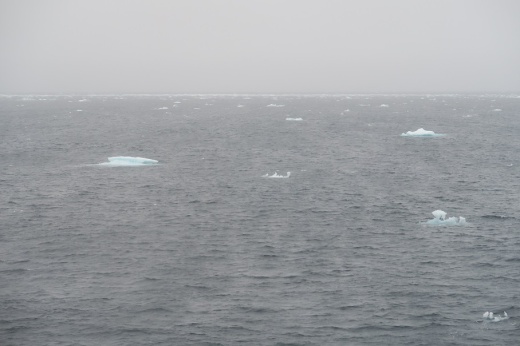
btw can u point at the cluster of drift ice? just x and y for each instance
(276, 175)
(490, 317)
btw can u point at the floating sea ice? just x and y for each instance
(384, 105)
(275, 105)
(440, 219)
(276, 175)
(162, 108)
(420, 133)
(129, 161)
(490, 317)
(497, 110)
(294, 119)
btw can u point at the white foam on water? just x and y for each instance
(125, 161)
(276, 175)
(294, 119)
(490, 317)
(441, 220)
(421, 133)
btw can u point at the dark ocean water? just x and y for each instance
(202, 250)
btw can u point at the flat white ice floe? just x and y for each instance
(276, 175)
(384, 105)
(490, 317)
(294, 119)
(275, 105)
(420, 133)
(129, 161)
(441, 220)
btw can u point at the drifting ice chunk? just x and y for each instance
(274, 105)
(276, 175)
(420, 133)
(490, 317)
(129, 161)
(294, 119)
(384, 105)
(440, 219)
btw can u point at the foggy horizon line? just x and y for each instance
(260, 93)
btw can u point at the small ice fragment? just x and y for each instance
(129, 161)
(294, 119)
(441, 220)
(276, 175)
(420, 133)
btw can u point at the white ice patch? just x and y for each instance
(441, 220)
(123, 161)
(275, 105)
(162, 108)
(497, 110)
(294, 119)
(420, 133)
(384, 105)
(490, 317)
(276, 175)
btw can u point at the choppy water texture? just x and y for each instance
(201, 249)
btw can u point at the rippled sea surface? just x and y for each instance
(201, 249)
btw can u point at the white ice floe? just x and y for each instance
(490, 317)
(161, 108)
(122, 161)
(276, 175)
(294, 119)
(420, 133)
(441, 220)
(497, 110)
(384, 105)
(275, 105)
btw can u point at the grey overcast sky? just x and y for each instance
(259, 46)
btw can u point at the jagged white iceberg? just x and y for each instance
(129, 161)
(420, 133)
(276, 175)
(441, 220)
(490, 317)
(294, 119)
